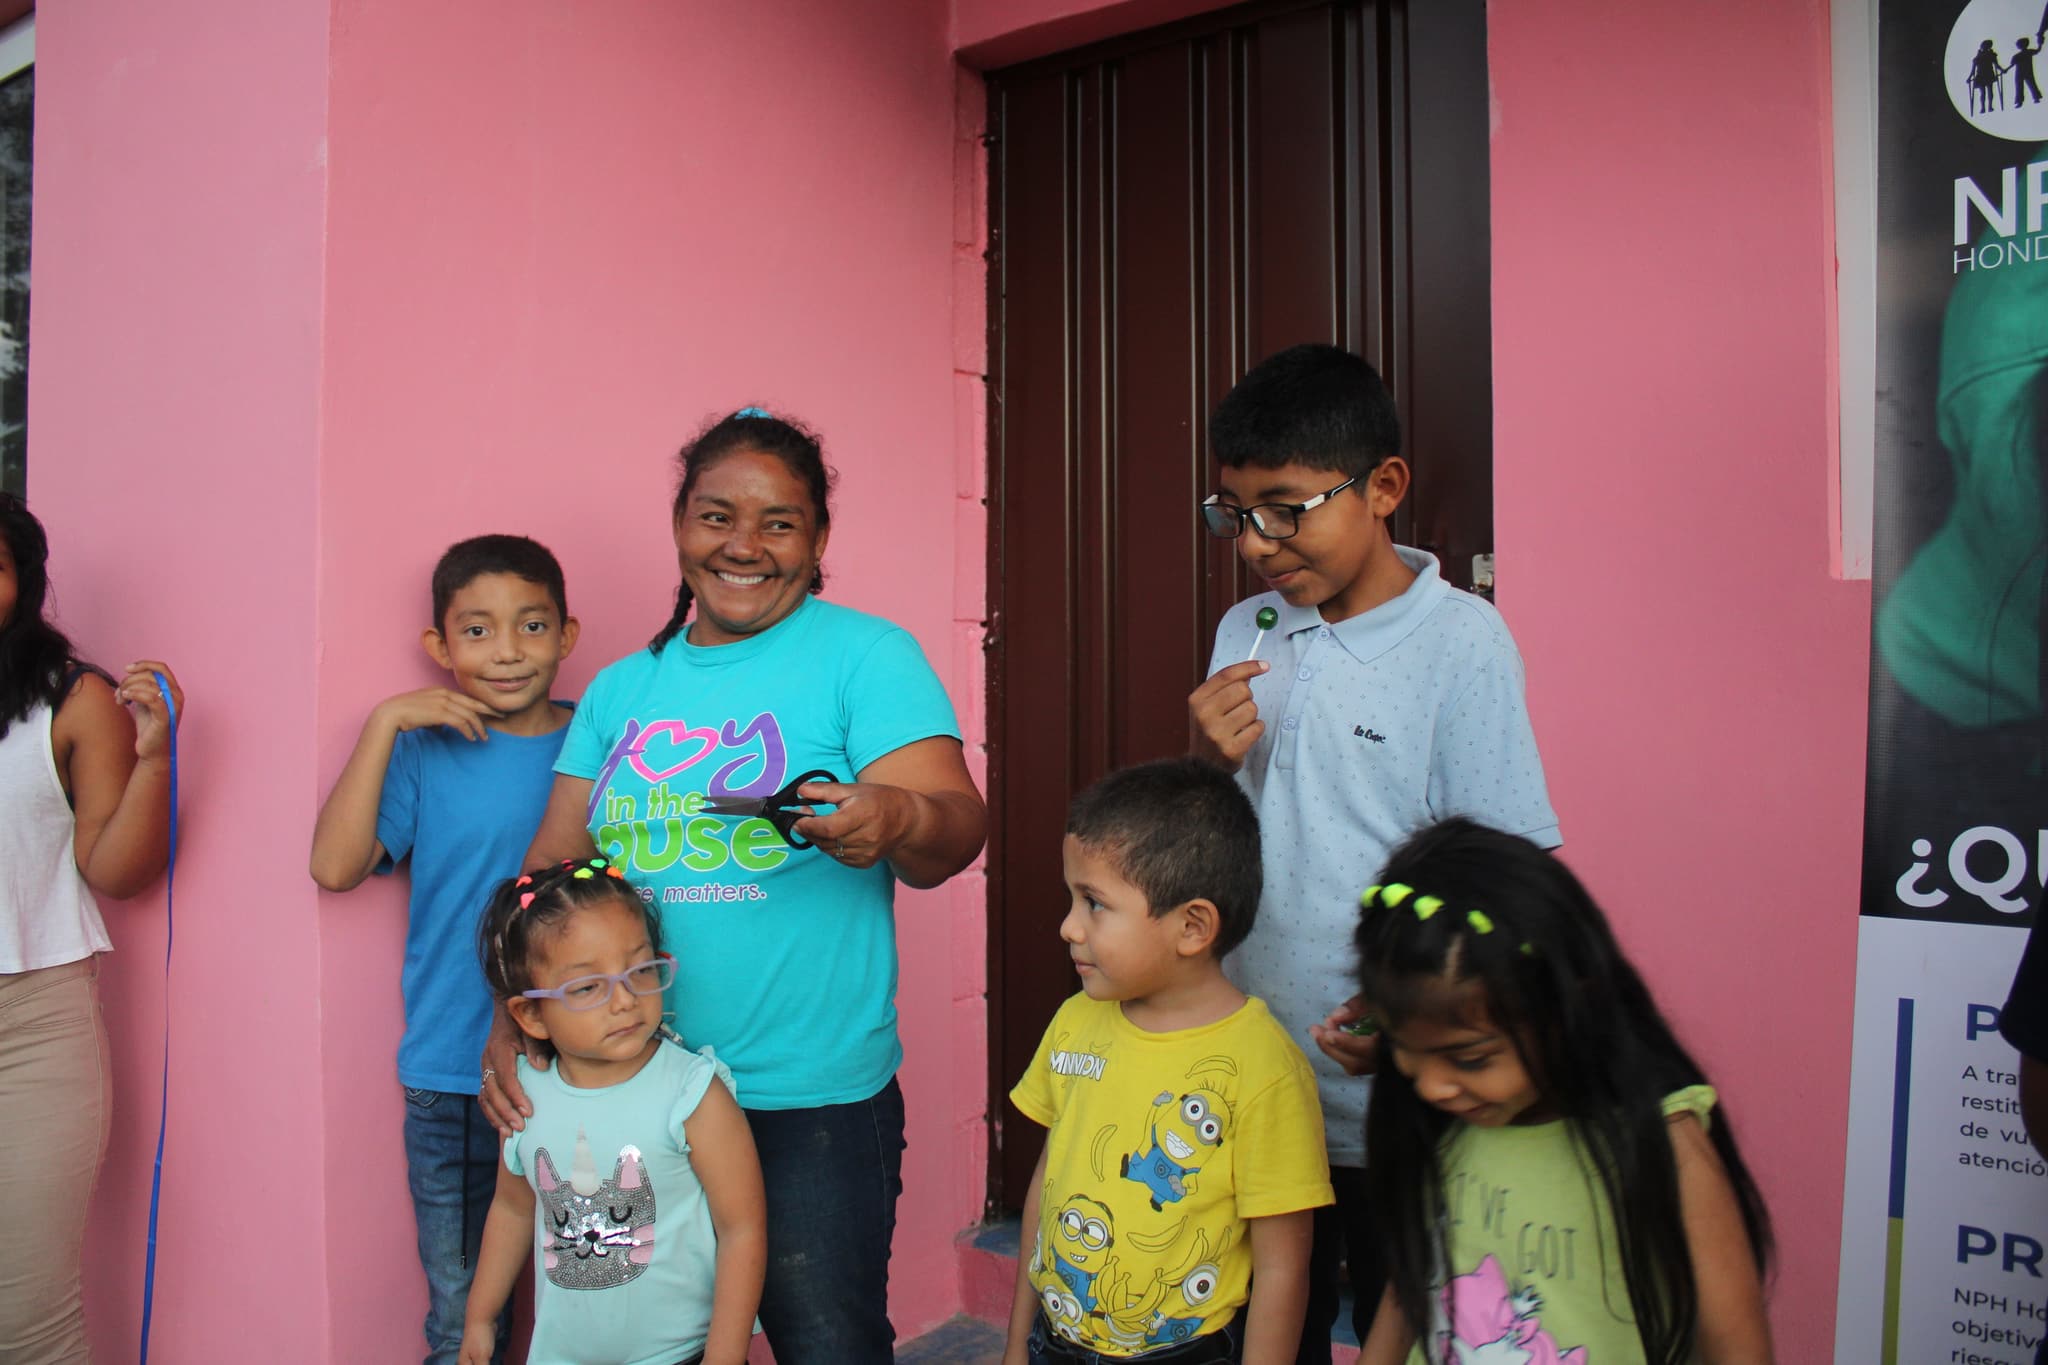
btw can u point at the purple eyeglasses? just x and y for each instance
(651, 977)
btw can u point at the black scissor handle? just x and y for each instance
(781, 812)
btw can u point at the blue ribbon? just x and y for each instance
(156, 1179)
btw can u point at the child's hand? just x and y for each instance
(1223, 720)
(436, 706)
(477, 1342)
(152, 719)
(1342, 1042)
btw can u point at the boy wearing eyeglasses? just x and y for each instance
(1382, 700)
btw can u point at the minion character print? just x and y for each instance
(1185, 1132)
(1081, 1256)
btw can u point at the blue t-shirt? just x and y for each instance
(465, 811)
(786, 960)
(623, 1246)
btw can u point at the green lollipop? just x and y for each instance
(1265, 620)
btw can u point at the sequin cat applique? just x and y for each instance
(600, 1233)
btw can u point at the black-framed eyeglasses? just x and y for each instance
(1274, 520)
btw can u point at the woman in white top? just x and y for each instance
(84, 808)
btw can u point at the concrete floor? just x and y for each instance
(958, 1341)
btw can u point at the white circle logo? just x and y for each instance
(1994, 69)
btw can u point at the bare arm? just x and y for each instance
(1391, 1338)
(915, 808)
(1272, 1319)
(565, 828)
(1733, 1329)
(2034, 1099)
(118, 774)
(345, 846)
(1024, 1307)
(507, 1242)
(722, 1150)
(562, 834)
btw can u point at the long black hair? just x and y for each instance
(749, 430)
(1554, 981)
(36, 660)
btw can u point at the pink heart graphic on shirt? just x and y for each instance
(678, 734)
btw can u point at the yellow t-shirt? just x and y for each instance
(1162, 1145)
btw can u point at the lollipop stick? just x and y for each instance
(1265, 620)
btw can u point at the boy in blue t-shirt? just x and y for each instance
(1380, 700)
(457, 779)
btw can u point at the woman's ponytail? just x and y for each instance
(675, 621)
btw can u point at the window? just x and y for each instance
(17, 143)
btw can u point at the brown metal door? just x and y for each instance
(1166, 209)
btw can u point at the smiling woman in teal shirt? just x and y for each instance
(786, 956)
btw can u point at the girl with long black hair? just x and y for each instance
(84, 811)
(1554, 1175)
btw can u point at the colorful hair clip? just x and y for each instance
(1368, 896)
(582, 874)
(597, 862)
(1425, 906)
(526, 901)
(614, 872)
(1480, 922)
(751, 411)
(524, 881)
(1394, 893)
(1528, 950)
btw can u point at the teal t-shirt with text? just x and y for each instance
(786, 960)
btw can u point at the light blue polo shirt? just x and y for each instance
(1375, 727)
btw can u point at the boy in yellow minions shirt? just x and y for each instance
(1169, 1219)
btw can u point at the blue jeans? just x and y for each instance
(833, 1174)
(451, 1163)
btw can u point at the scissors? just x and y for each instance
(782, 809)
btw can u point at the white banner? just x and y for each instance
(1945, 1208)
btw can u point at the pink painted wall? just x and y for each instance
(174, 447)
(323, 286)
(559, 237)
(992, 33)
(1663, 261)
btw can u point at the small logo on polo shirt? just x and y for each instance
(1373, 735)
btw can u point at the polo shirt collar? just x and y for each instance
(1370, 634)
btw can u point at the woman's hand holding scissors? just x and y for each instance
(870, 820)
(915, 808)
